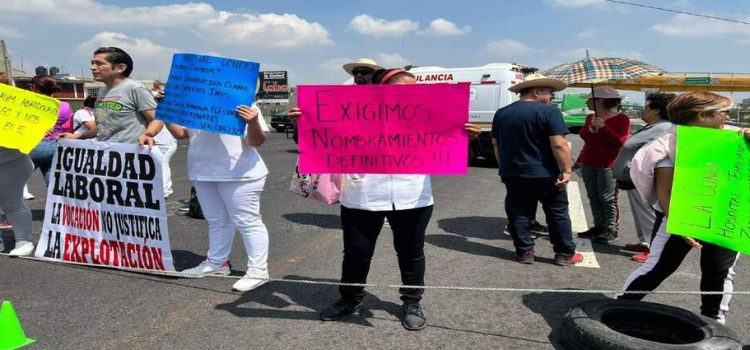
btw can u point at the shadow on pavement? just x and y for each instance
(273, 297)
(183, 259)
(611, 249)
(37, 214)
(553, 307)
(327, 221)
(461, 244)
(483, 227)
(463, 228)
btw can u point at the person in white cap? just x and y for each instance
(603, 133)
(534, 161)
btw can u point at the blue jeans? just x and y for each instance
(520, 207)
(42, 156)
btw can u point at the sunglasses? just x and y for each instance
(362, 72)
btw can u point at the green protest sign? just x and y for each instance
(711, 191)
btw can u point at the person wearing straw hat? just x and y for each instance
(528, 137)
(604, 133)
(362, 70)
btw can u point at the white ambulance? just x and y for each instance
(488, 93)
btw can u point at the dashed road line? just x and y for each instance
(579, 224)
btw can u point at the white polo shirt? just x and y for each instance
(376, 192)
(221, 157)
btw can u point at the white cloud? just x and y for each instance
(444, 27)
(10, 32)
(265, 30)
(595, 4)
(506, 48)
(580, 53)
(691, 26)
(268, 30)
(391, 60)
(378, 27)
(70, 11)
(149, 59)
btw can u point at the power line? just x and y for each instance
(46, 57)
(678, 11)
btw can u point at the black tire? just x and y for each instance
(280, 128)
(635, 325)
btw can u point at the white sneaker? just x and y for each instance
(27, 194)
(206, 269)
(23, 248)
(254, 278)
(721, 318)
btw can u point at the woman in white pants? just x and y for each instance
(167, 144)
(229, 175)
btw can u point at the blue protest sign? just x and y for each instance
(203, 92)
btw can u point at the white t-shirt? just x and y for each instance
(377, 192)
(164, 137)
(664, 163)
(82, 115)
(221, 157)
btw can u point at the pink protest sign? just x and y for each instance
(384, 129)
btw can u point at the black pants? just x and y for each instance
(520, 207)
(361, 230)
(669, 251)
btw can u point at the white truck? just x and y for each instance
(488, 93)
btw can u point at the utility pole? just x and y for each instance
(6, 62)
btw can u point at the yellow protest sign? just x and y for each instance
(25, 117)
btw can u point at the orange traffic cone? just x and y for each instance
(11, 333)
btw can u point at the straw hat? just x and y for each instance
(361, 62)
(538, 80)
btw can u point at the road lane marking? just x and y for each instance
(579, 224)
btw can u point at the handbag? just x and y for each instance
(325, 188)
(194, 207)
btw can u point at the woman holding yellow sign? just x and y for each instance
(15, 170)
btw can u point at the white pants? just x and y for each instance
(168, 150)
(230, 205)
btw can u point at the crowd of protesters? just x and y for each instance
(529, 140)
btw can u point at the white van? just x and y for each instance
(488, 93)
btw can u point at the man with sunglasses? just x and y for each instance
(362, 70)
(124, 109)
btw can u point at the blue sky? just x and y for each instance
(312, 39)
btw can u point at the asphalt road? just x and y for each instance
(68, 307)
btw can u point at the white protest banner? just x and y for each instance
(105, 206)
